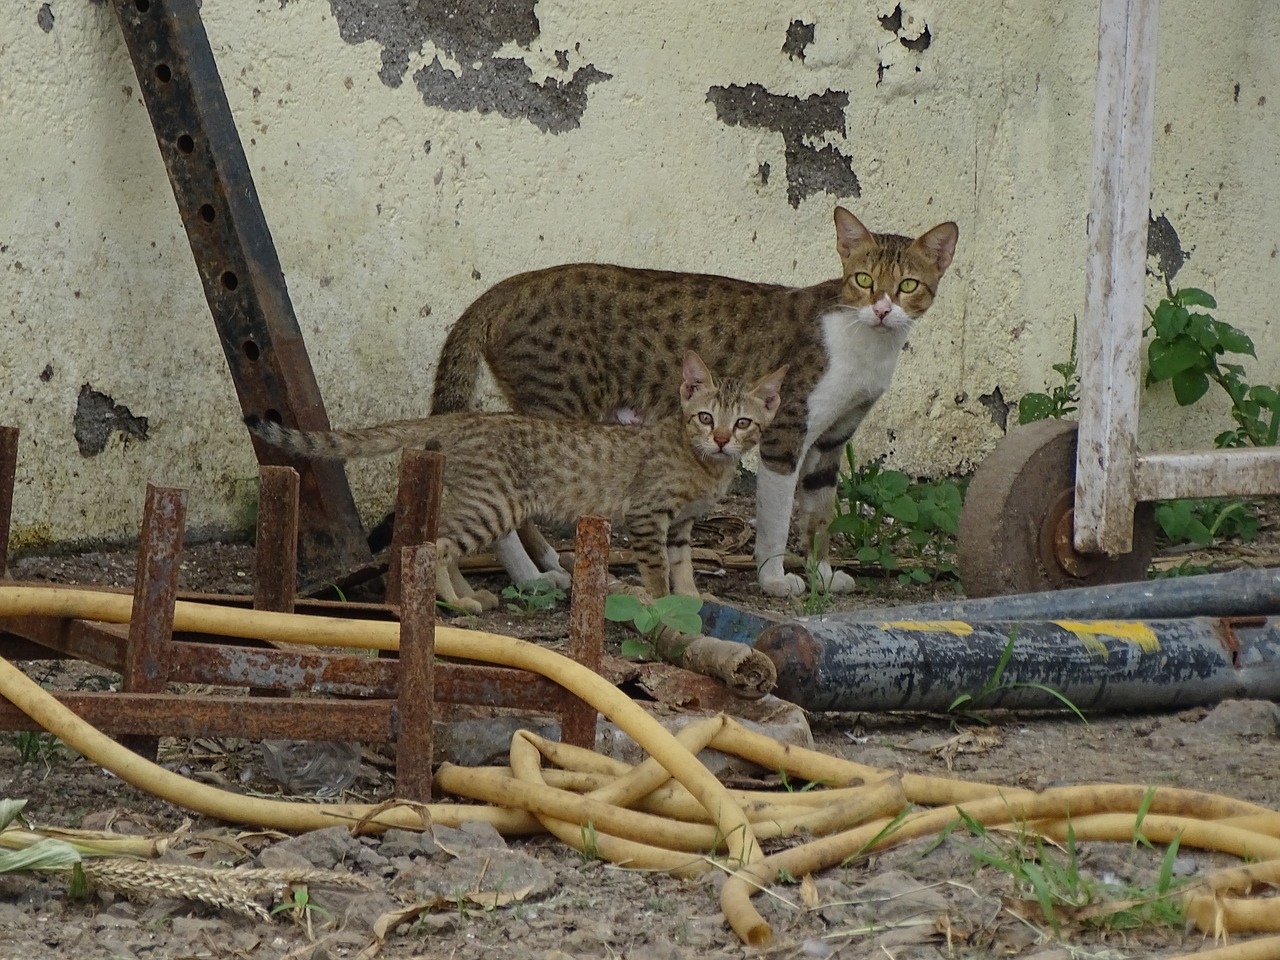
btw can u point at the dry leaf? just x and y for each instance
(809, 892)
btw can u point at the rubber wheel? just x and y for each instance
(1016, 526)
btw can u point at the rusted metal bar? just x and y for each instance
(414, 738)
(237, 261)
(152, 715)
(417, 510)
(146, 668)
(275, 551)
(1210, 473)
(8, 470)
(586, 624)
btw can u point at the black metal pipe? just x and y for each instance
(1239, 593)
(1098, 665)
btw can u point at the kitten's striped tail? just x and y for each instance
(340, 444)
(459, 366)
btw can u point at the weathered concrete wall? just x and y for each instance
(407, 160)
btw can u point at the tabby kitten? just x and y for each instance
(502, 470)
(594, 341)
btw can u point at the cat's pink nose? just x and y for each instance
(720, 439)
(882, 307)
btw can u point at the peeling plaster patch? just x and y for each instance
(809, 168)
(44, 17)
(1164, 245)
(470, 32)
(998, 407)
(97, 415)
(799, 36)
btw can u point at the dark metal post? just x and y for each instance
(415, 741)
(586, 624)
(155, 590)
(237, 261)
(417, 510)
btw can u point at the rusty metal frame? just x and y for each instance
(369, 699)
(237, 262)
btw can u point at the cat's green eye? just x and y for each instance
(908, 285)
(863, 280)
(742, 423)
(706, 419)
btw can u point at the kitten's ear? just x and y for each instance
(769, 388)
(849, 232)
(696, 375)
(940, 243)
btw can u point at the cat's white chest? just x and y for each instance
(860, 368)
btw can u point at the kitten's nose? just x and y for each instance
(721, 439)
(882, 307)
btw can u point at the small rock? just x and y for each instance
(656, 951)
(364, 909)
(401, 843)
(1242, 718)
(279, 858)
(893, 895)
(324, 848)
(471, 836)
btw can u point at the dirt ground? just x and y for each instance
(921, 900)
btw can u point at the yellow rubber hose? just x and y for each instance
(1268, 948)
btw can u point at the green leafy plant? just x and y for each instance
(1187, 348)
(35, 746)
(532, 597)
(675, 612)
(998, 683)
(886, 519)
(1062, 400)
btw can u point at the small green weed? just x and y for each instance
(302, 908)
(964, 704)
(590, 843)
(1062, 399)
(532, 597)
(883, 516)
(34, 746)
(1063, 893)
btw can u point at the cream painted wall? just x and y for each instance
(384, 239)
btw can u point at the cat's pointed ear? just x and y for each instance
(769, 389)
(696, 375)
(849, 232)
(940, 243)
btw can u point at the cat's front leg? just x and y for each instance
(680, 558)
(815, 509)
(544, 556)
(775, 495)
(510, 551)
(447, 554)
(649, 546)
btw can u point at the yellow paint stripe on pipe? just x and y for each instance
(1133, 631)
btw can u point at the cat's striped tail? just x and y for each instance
(459, 366)
(341, 444)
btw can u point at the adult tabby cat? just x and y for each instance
(594, 341)
(503, 469)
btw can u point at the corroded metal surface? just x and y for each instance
(275, 548)
(586, 623)
(414, 740)
(8, 469)
(146, 654)
(417, 510)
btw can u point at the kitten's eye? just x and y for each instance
(863, 280)
(706, 419)
(742, 423)
(908, 285)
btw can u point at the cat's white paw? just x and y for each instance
(464, 605)
(486, 598)
(787, 585)
(836, 581)
(557, 578)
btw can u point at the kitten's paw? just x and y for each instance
(709, 597)
(787, 585)
(557, 578)
(486, 598)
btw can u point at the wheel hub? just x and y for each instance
(1057, 540)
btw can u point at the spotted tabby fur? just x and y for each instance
(503, 470)
(595, 341)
